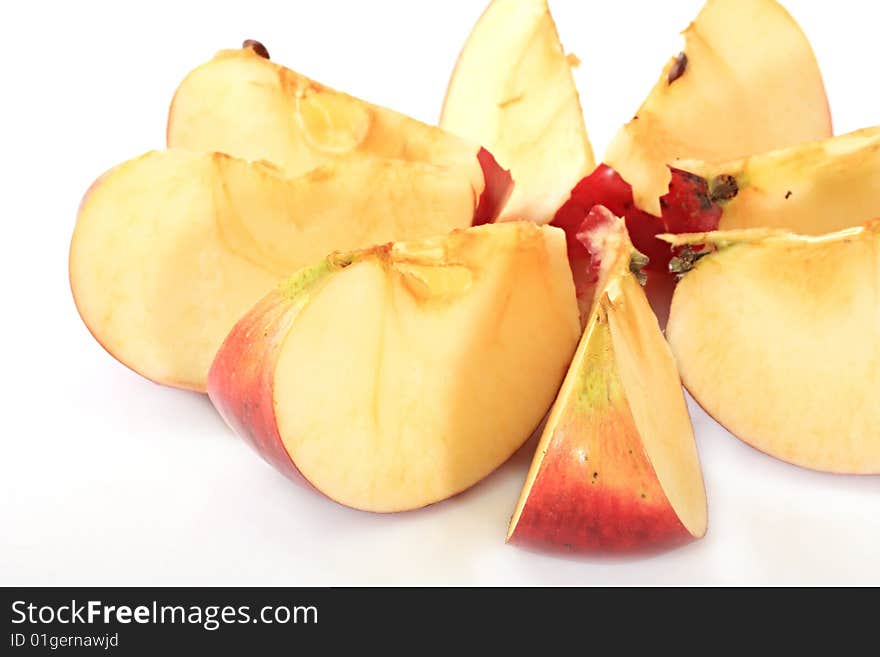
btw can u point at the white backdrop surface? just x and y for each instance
(107, 479)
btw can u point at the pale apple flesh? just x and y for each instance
(512, 90)
(250, 107)
(172, 248)
(810, 189)
(404, 374)
(747, 82)
(777, 337)
(616, 469)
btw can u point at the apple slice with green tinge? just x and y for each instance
(616, 469)
(746, 82)
(172, 248)
(777, 336)
(243, 104)
(512, 91)
(394, 377)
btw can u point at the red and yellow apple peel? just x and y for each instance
(616, 469)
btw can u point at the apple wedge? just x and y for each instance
(777, 336)
(243, 104)
(172, 248)
(810, 189)
(394, 377)
(512, 91)
(746, 82)
(616, 469)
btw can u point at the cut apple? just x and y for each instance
(777, 336)
(747, 82)
(243, 104)
(172, 248)
(616, 469)
(512, 91)
(810, 189)
(397, 376)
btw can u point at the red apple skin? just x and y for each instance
(595, 491)
(688, 207)
(572, 508)
(498, 188)
(241, 379)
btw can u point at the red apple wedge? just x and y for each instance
(243, 104)
(394, 377)
(616, 469)
(777, 336)
(512, 91)
(172, 248)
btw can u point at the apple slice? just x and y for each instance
(397, 376)
(243, 104)
(512, 91)
(777, 336)
(616, 469)
(746, 82)
(172, 248)
(810, 189)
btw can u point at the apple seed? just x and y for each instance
(257, 47)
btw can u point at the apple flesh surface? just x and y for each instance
(172, 248)
(397, 376)
(777, 336)
(245, 105)
(512, 90)
(616, 469)
(809, 189)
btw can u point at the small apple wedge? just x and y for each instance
(172, 248)
(243, 104)
(512, 91)
(746, 82)
(616, 469)
(777, 336)
(397, 376)
(809, 189)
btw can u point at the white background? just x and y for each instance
(109, 479)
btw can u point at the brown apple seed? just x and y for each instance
(257, 47)
(679, 66)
